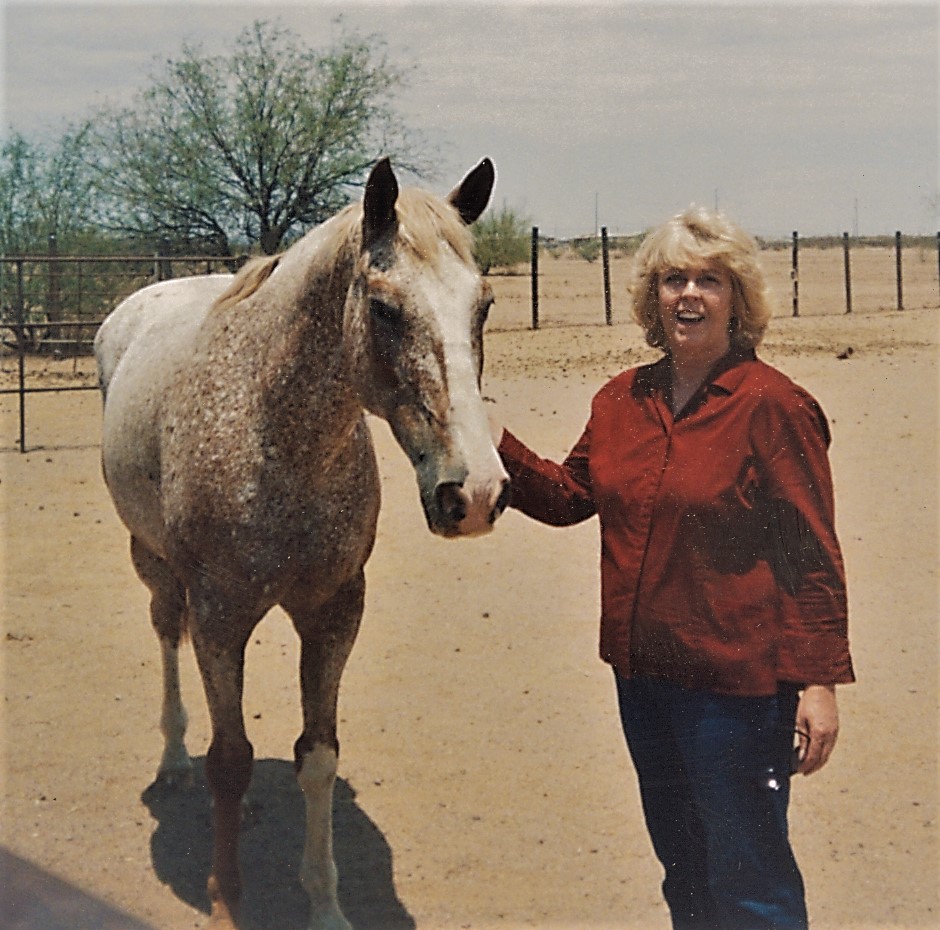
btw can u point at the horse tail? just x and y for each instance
(248, 279)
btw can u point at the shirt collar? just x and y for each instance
(729, 371)
(726, 376)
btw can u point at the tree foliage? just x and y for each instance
(250, 147)
(501, 240)
(45, 190)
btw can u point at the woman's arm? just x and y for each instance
(792, 439)
(555, 493)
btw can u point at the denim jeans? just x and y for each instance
(714, 773)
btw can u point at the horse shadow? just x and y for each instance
(271, 848)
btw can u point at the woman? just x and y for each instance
(723, 590)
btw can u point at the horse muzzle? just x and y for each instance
(458, 509)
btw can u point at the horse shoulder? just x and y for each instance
(156, 314)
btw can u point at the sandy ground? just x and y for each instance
(484, 783)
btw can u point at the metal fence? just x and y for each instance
(899, 247)
(53, 305)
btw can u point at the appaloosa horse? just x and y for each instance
(237, 454)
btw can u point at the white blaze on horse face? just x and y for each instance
(453, 297)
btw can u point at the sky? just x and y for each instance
(815, 117)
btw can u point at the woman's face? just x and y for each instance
(695, 306)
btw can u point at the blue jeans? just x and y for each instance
(714, 773)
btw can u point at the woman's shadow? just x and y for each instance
(271, 849)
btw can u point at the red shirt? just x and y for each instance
(720, 567)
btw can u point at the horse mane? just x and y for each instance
(424, 222)
(247, 280)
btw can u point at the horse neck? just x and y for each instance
(308, 295)
(294, 351)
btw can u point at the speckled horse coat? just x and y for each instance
(237, 454)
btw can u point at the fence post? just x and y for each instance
(938, 258)
(897, 264)
(605, 257)
(53, 287)
(535, 277)
(78, 290)
(21, 349)
(795, 273)
(166, 266)
(848, 272)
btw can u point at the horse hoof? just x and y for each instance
(221, 917)
(333, 920)
(221, 921)
(176, 779)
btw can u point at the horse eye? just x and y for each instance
(385, 313)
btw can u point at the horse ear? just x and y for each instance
(378, 204)
(472, 194)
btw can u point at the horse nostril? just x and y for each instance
(451, 501)
(502, 502)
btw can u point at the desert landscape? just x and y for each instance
(484, 782)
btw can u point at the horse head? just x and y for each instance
(414, 322)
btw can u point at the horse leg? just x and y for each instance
(167, 614)
(219, 639)
(327, 635)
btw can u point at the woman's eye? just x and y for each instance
(385, 313)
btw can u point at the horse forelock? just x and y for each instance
(425, 222)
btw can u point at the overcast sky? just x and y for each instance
(811, 117)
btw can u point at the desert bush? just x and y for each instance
(588, 249)
(501, 240)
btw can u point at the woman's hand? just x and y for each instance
(817, 717)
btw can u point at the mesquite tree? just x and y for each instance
(251, 147)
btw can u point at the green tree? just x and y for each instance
(251, 147)
(501, 240)
(45, 190)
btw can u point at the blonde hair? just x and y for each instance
(694, 236)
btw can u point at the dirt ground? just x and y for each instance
(483, 779)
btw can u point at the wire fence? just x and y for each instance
(51, 306)
(821, 276)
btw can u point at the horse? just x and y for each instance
(237, 452)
